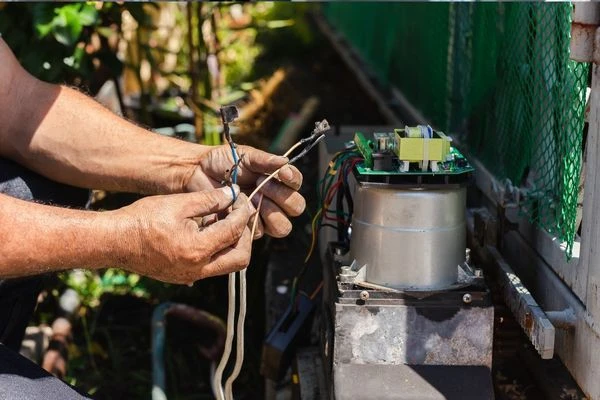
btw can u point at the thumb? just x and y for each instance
(197, 204)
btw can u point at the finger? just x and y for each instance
(290, 201)
(290, 176)
(206, 220)
(230, 259)
(276, 223)
(226, 232)
(197, 204)
(260, 162)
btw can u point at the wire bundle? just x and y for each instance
(335, 181)
(226, 393)
(333, 186)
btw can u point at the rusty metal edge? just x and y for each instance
(517, 297)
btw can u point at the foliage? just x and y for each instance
(62, 42)
(91, 285)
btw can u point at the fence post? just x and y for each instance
(585, 47)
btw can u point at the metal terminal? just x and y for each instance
(478, 272)
(321, 127)
(467, 298)
(364, 295)
(229, 114)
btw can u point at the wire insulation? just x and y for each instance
(239, 350)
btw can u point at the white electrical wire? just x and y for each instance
(239, 349)
(218, 390)
(217, 379)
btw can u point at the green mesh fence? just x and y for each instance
(496, 76)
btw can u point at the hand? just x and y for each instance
(281, 197)
(167, 244)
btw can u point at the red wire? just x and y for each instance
(331, 192)
(338, 219)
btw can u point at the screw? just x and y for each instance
(467, 298)
(468, 255)
(364, 295)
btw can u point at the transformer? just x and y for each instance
(405, 314)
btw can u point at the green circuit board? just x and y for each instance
(458, 165)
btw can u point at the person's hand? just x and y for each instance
(281, 197)
(165, 242)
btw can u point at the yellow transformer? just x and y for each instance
(421, 144)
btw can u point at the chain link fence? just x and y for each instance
(496, 76)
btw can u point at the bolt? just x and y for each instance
(467, 298)
(468, 255)
(364, 295)
(346, 274)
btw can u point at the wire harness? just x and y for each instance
(228, 115)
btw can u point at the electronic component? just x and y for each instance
(414, 155)
(365, 147)
(423, 145)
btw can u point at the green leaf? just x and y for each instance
(67, 25)
(44, 29)
(88, 15)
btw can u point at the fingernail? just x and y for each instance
(228, 190)
(286, 173)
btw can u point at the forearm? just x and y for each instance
(79, 142)
(68, 137)
(36, 238)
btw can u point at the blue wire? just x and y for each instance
(234, 172)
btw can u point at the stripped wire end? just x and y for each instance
(320, 128)
(307, 149)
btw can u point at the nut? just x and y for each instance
(467, 299)
(364, 295)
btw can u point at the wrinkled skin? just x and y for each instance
(281, 198)
(169, 245)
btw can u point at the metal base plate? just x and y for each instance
(422, 382)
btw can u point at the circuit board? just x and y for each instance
(459, 165)
(382, 164)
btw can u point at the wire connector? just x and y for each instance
(228, 115)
